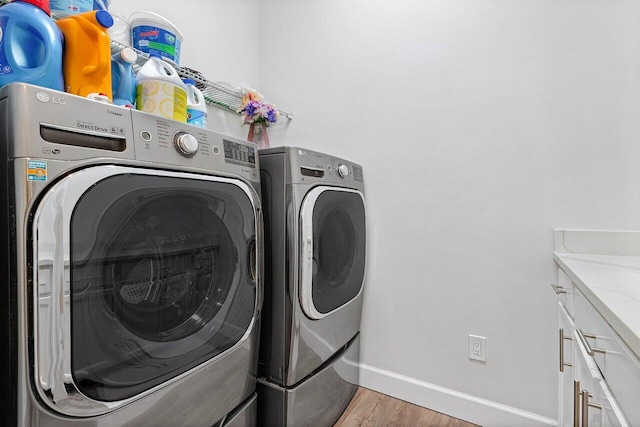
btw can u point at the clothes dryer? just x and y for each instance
(132, 285)
(315, 251)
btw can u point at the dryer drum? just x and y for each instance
(335, 249)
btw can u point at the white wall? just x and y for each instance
(481, 125)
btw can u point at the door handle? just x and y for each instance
(559, 289)
(585, 407)
(576, 403)
(590, 350)
(562, 337)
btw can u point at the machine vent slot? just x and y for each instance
(68, 136)
(316, 173)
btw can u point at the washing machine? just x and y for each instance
(315, 253)
(131, 284)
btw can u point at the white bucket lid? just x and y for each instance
(144, 17)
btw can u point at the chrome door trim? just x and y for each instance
(54, 382)
(306, 251)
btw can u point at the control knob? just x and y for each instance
(186, 144)
(343, 170)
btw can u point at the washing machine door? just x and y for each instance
(142, 276)
(333, 243)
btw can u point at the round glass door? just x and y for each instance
(333, 249)
(161, 279)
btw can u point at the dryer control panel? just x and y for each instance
(324, 167)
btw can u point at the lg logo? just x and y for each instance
(44, 97)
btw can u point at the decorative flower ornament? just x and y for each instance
(254, 109)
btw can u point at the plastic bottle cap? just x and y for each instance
(129, 55)
(189, 81)
(104, 18)
(42, 4)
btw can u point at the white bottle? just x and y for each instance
(196, 105)
(160, 91)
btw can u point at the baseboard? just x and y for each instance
(459, 405)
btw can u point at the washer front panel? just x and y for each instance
(140, 277)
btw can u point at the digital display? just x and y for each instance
(239, 154)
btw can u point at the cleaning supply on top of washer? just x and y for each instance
(160, 91)
(87, 53)
(30, 45)
(151, 33)
(123, 80)
(196, 105)
(63, 8)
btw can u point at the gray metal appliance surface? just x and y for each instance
(132, 283)
(315, 253)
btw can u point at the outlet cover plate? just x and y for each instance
(478, 348)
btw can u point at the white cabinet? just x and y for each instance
(567, 405)
(565, 367)
(599, 376)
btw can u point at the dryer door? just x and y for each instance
(333, 246)
(142, 276)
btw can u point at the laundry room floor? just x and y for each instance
(372, 409)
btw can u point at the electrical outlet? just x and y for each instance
(477, 348)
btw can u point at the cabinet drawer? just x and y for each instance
(611, 412)
(597, 407)
(618, 365)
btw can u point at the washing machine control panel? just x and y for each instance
(165, 141)
(61, 126)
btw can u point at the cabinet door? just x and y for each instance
(598, 406)
(617, 363)
(566, 404)
(587, 377)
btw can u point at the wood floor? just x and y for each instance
(372, 409)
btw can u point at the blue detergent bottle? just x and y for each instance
(123, 79)
(30, 45)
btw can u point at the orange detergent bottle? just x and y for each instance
(87, 53)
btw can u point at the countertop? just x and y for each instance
(610, 280)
